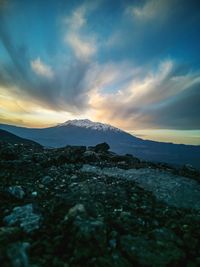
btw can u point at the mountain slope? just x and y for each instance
(8, 137)
(85, 132)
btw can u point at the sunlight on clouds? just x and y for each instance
(150, 84)
(103, 76)
(83, 49)
(119, 94)
(83, 45)
(24, 112)
(8, 105)
(179, 137)
(41, 69)
(137, 102)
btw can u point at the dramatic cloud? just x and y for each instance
(61, 87)
(134, 64)
(163, 99)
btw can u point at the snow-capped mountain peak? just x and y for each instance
(85, 123)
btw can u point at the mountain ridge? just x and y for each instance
(6, 136)
(85, 132)
(85, 123)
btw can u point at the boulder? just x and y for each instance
(70, 154)
(25, 217)
(147, 252)
(17, 254)
(90, 156)
(103, 147)
(16, 191)
(77, 210)
(47, 180)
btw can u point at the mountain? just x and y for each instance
(8, 137)
(86, 132)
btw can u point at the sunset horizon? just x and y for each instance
(134, 65)
(189, 137)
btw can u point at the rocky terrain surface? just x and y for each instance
(78, 206)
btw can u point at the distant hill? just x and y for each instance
(8, 137)
(88, 133)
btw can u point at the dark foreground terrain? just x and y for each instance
(78, 206)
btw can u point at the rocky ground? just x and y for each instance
(79, 206)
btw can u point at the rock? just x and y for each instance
(117, 158)
(74, 177)
(17, 254)
(164, 234)
(91, 229)
(90, 232)
(151, 253)
(39, 157)
(103, 147)
(34, 194)
(71, 154)
(177, 191)
(47, 180)
(24, 217)
(9, 233)
(16, 191)
(8, 153)
(78, 209)
(118, 260)
(90, 156)
(97, 214)
(113, 243)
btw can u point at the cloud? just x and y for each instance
(83, 49)
(151, 9)
(83, 44)
(118, 81)
(181, 111)
(41, 69)
(63, 87)
(164, 98)
(77, 19)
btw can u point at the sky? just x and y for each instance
(132, 63)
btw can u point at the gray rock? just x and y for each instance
(73, 177)
(47, 180)
(90, 155)
(17, 254)
(178, 191)
(34, 194)
(151, 252)
(91, 229)
(24, 217)
(16, 191)
(8, 233)
(78, 209)
(161, 234)
(103, 147)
